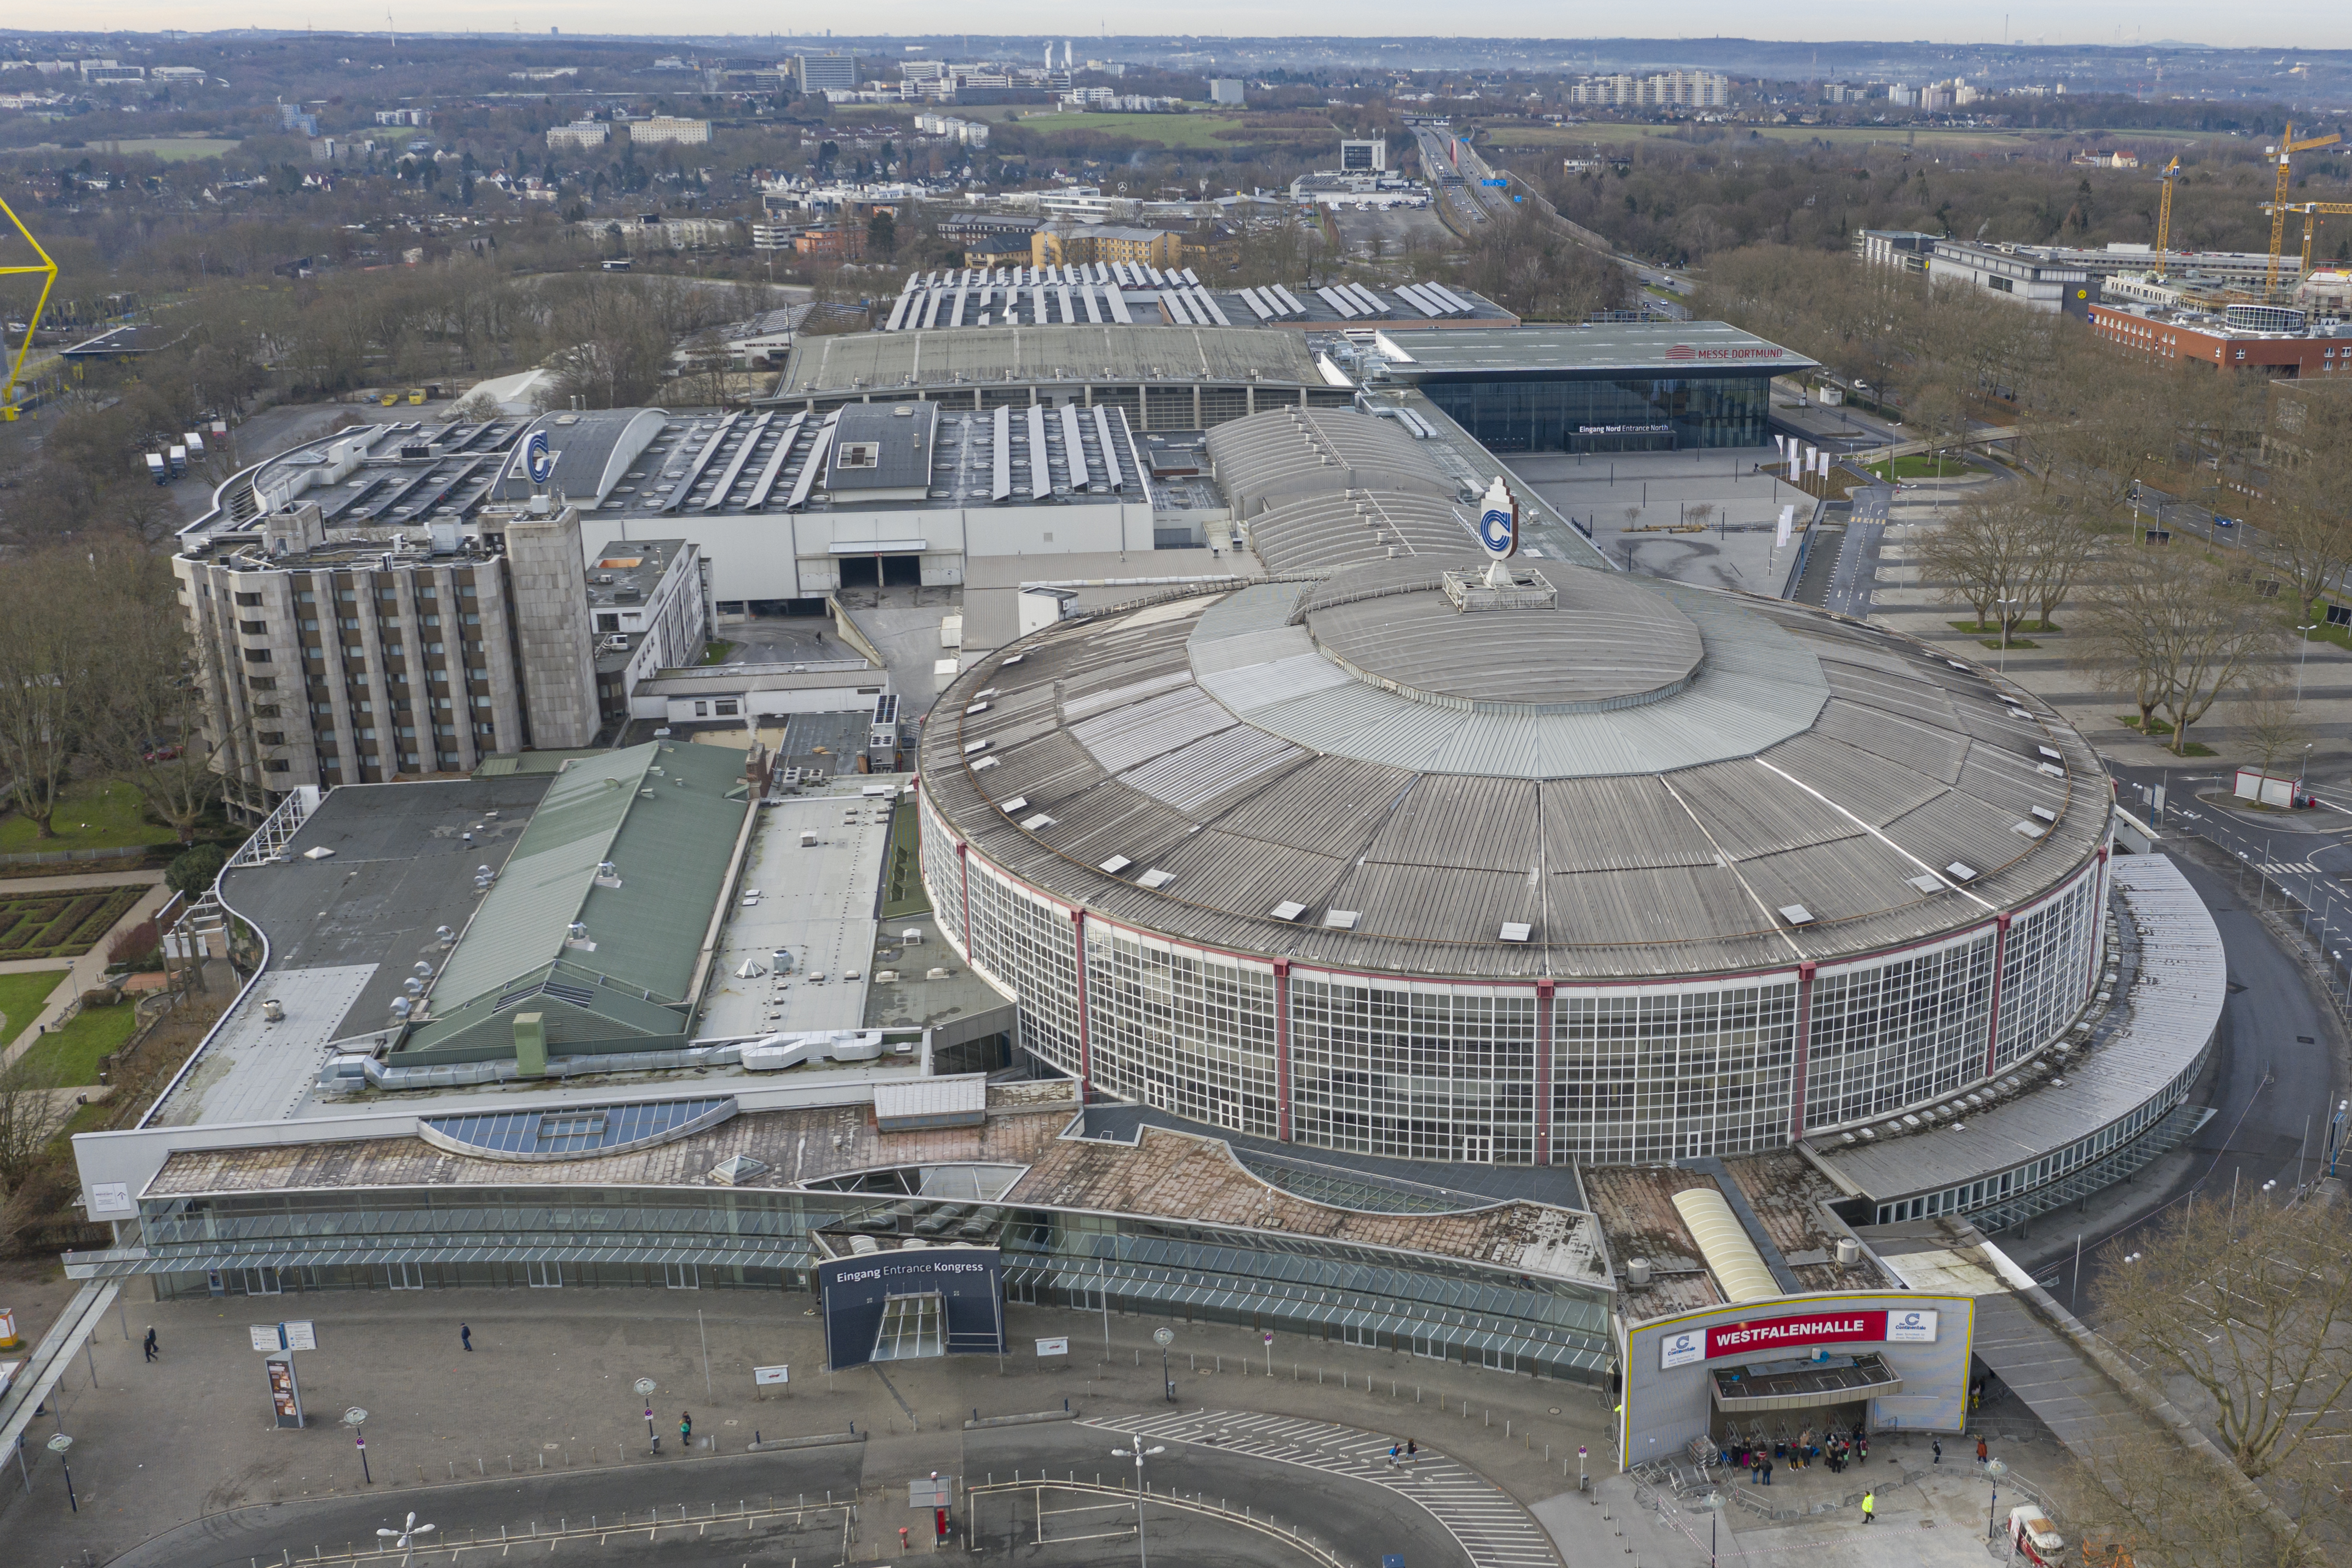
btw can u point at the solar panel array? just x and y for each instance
(1103, 292)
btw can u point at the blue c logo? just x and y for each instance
(1495, 530)
(537, 459)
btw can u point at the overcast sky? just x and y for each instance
(2311, 25)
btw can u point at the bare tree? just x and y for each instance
(147, 710)
(30, 1116)
(2175, 628)
(2273, 725)
(1983, 553)
(46, 642)
(2063, 543)
(2250, 1304)
(2306, 528)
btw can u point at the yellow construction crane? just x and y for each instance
(2311, 211)
(2171, 177)
(49, 271)
(2284, 151)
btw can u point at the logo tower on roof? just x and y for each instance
(1498, 531)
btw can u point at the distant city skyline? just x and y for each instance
(2108, 22)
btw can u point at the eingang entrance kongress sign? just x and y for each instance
(1917, 1325)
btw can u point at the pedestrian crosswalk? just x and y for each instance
(2290, 868)
(1493, 1529)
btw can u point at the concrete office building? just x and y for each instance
(346, 657)
(2051, 282)
(1363, 157)
(826, 73)
(665, 128)
(1227, 90)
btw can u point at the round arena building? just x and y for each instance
(1588, 868)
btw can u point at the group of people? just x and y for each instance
(1405, 1455)
(1837, 1449)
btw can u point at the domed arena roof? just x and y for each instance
(1581, 775)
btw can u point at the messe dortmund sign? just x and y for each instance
(1682, 1348)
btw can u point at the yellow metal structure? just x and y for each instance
(2311, 212)
(49, 271)
(2284, 151)
(2171, 177)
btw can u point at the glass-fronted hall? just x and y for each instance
(1618, 413)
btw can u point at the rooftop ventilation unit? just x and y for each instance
(1287, 910)
(1155, 879)
(1341, 919)
(1795, 915)
(1960, 871)
(1514, 931)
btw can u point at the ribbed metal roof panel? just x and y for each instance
(1953, 827)
(1439, 903)
(1127, 736)
(1750, 811)
(1930, 752)
(1253, 688)
(1616, 824)
(1871, 788)
(1332, 805)
(1191, 776)
(1484, 824)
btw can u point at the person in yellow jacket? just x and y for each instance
(1870, 1508)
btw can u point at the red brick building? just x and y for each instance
(2207, 341)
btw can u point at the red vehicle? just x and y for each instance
(2035, 1539)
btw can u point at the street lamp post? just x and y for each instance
(1163, 1338)
(353, 1419)
(1996, 1468)
(57, 1446)
(1139, 1454)
(645, 1386)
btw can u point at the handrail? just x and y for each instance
(1313, 1549)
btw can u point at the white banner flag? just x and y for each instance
(1793, 457)
(1788, 520)
(1781, 444)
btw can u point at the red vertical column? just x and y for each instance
(1085, 1046)
(1544, 989)
(1281, 1049)
(2000, 954)
(2098, 919)
(1804, 1050)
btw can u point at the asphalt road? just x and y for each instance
(693, 1513)
(2277, 1068)
(536, 1505)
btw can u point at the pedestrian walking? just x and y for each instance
(1869, 1507)
(1411, 1448)
(148, 1344)
(1767, 1472)
(466, 1335)
(685, 1429)
(1756, 1466)
(1394, 1452)
(1981, 1454)
(1937, 1444)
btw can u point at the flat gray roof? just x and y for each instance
(1660, 348)
(899, 362)
(2149, 1037)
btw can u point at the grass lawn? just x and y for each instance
(73, 1050)
(1919, 468)
(2158, 729)
(1929, 139)
(903, 892)
(1168, 130)
(22, 997)
(1979, 628)
(96, 814)
(717, 651)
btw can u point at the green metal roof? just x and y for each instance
(666, 816)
